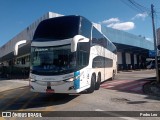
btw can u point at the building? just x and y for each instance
(158, 36)
(132, 50)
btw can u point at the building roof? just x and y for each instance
(121, 37)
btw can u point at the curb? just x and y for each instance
(152, 88)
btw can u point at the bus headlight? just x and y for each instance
(73, 78)
(32, 80)
(70, 80)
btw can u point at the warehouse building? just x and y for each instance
(132, 50)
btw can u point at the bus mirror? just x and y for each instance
(84, 40)
(75, 40)
(17, 44)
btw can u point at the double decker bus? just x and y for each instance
(69, 55)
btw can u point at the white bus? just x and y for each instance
(69, 55)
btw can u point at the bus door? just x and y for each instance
(83, 49)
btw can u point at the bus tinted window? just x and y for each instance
(83, 54)
(98, 38)
(101, 62)
(85, 29)
(57, 28)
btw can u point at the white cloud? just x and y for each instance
(141, 16)
(111, 25)
(122, 26)
(111, 20)
(117, 24)
(149, 39)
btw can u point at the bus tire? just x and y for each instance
(98, 83)
(93, 83)
(113, 75)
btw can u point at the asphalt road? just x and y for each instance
(110, 100)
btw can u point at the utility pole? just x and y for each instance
(155, 44)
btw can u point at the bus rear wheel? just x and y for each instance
(98, 83)
(113, 75)
(93, 83)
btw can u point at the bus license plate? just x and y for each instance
(49, 91)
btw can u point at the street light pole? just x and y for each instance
(155, 44)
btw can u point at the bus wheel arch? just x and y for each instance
(98, 83)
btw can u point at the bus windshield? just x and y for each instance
(52, 60)
(57, 28)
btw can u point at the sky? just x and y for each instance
(16, 15)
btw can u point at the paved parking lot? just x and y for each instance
(19, 97)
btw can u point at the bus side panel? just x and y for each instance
(97, 61)
(84, 77)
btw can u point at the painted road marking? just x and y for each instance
(110, 86)
(134, 85)
(114, 82)
(125, 85)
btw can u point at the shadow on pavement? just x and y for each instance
(152, 90)
(22, 98)
(14, 77)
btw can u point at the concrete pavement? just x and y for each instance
(6, 84)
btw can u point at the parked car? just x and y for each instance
(150, 64)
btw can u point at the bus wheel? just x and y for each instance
(93, 82)
(113, 75)
(98, 83)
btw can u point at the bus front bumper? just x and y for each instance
(53, 87)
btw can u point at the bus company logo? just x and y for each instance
(6, 114)
(41, 49)
(48, 79)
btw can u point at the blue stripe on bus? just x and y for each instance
(76, 81)
(77, 73)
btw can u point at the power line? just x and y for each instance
(136, 6)
(139, 6)
(130, 5)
